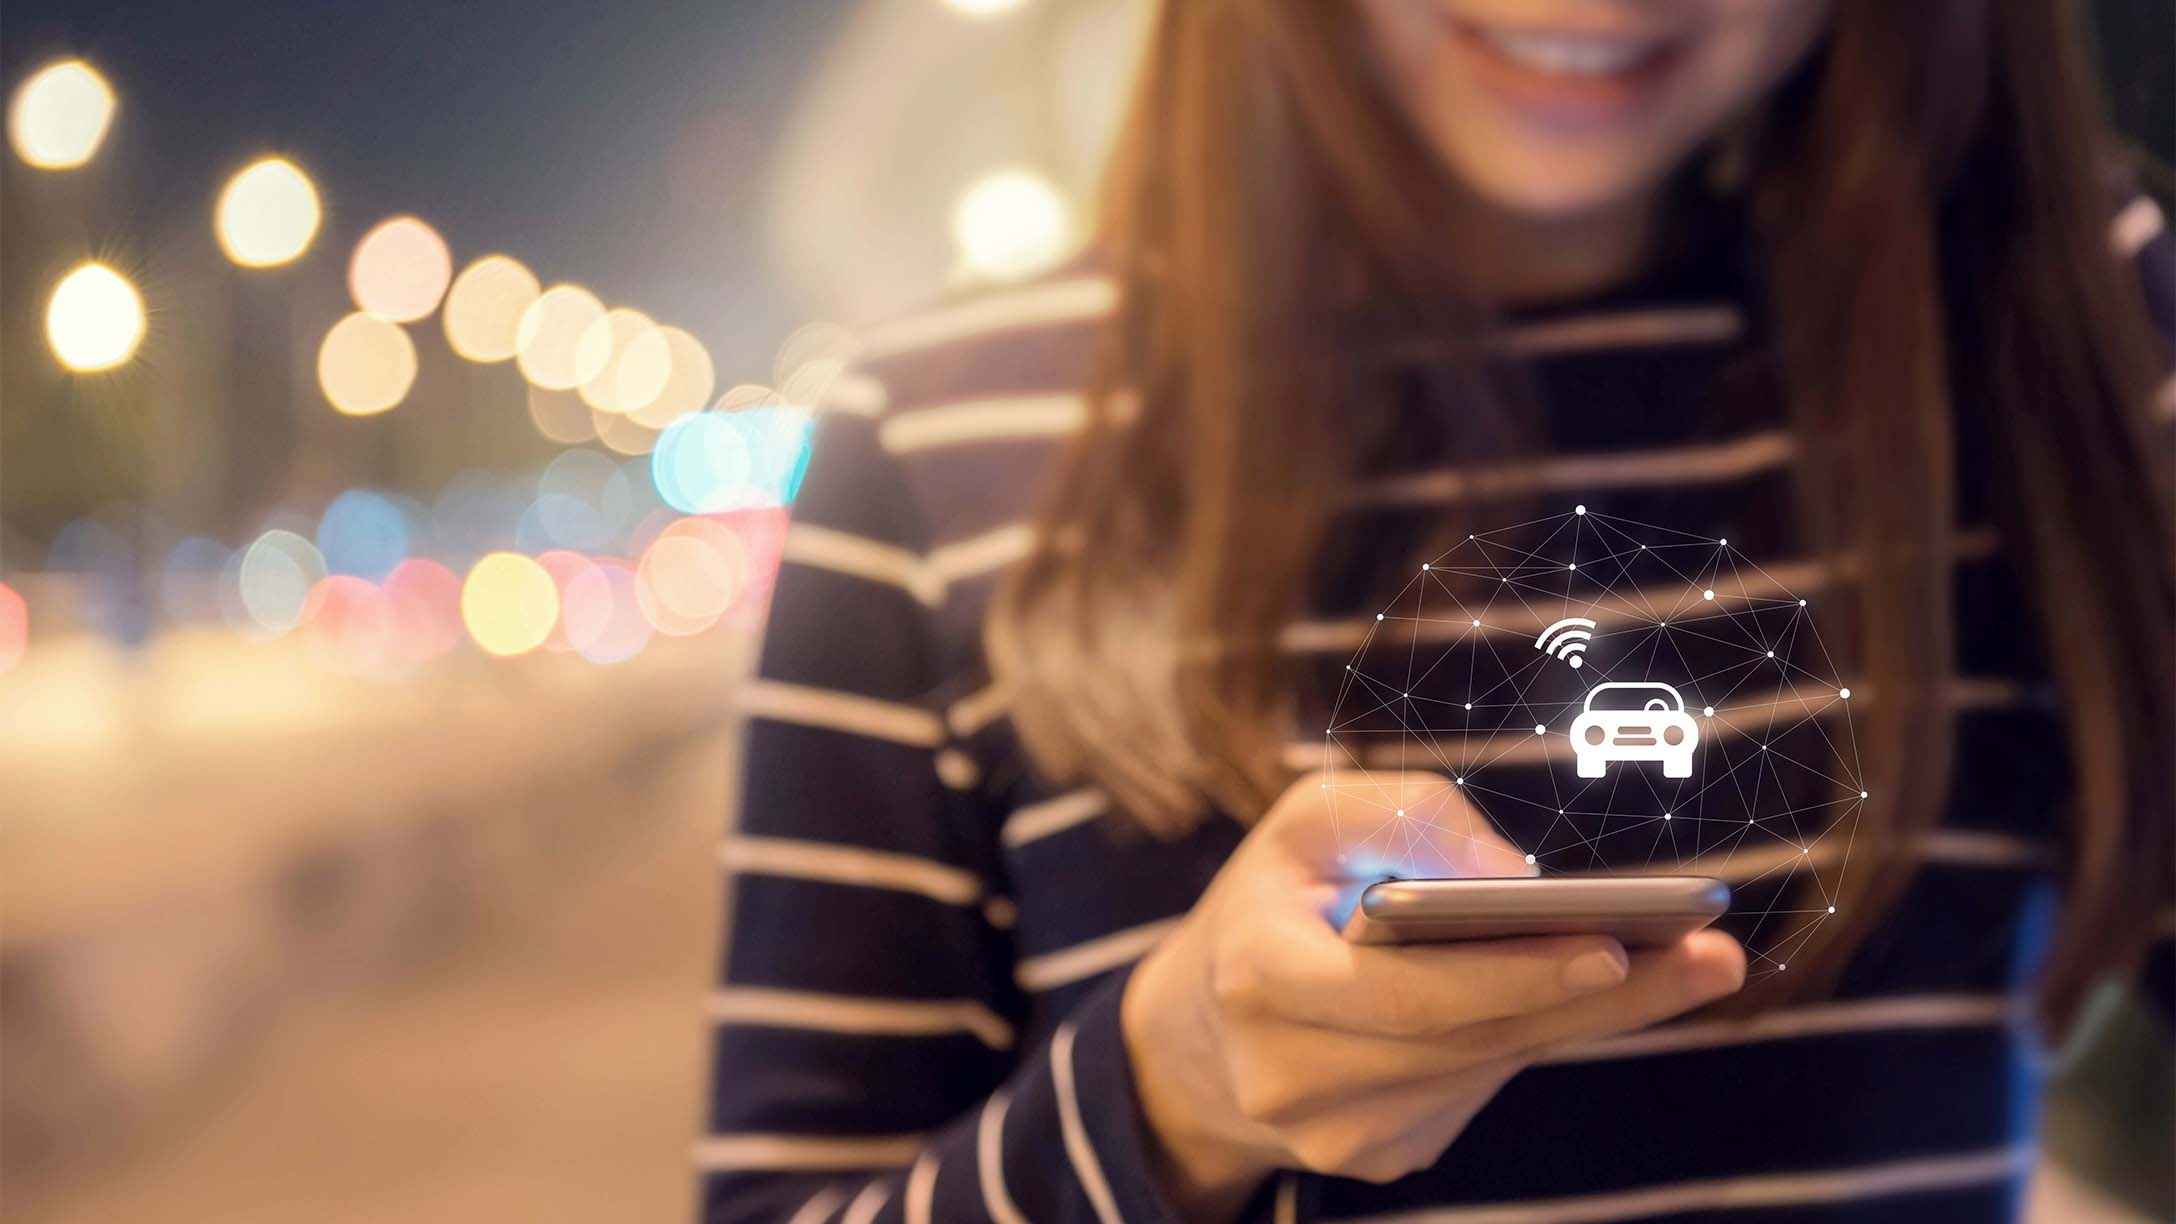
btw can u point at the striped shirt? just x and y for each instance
(926, 942)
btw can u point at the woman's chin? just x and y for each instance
(1555, 188)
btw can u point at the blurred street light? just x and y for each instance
(399, 270)
(484, 307)
(632, 359)
(509, 604)
(60, 114)
(1010, 224)
(365, 365)
(267, 214)
(983, 8)
(95, 319)
(548, 341)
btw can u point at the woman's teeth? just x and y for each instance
(1569, 53)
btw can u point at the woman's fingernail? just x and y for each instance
(1713, 981)
(1591, 971)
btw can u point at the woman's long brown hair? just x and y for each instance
(1929, 197)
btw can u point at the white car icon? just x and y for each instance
(1634, 721)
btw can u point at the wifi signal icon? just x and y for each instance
(1566, 639)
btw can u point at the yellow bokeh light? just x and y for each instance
(484, 307)
(982, 8)
(631, 357)
(688, 387)
(95, 319)
(400, 270)
(366, 365)
(60, 114)
(1010, 224)
(509, 604)
(267, 214)
(548, 338)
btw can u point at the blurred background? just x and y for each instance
(400, 405)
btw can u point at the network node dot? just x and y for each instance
(1862, 794)
(1831, 909)
(1469, 705)
(1424, 567)
(1401, 811)
(1378, 616)
(1844, 693)
(1477, 624)
(1801, 603)
(1771, 654)
(1529, 858)
(1459, 781)
(1707, 594)
(1780, 966)
(1577, 662)
(1709, 711)
(1665, 815)
(1574, 565)
(1540, 730)
(1579, 509)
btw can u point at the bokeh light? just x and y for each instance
(565, 566)
(274, 579)
(14, 627)
(362, 533)
(485, 305)
(399, 270)
(509, 604)
(365, 365)
(267, 214)
(548, 340)
(95, 319)
(702, 463)
(425, 598)
(603, 611)
(59, 115)
(347, 625)
(687, 386)
(689, 575)
(631, 358)
(1009, 224)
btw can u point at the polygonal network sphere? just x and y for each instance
(1609, 697)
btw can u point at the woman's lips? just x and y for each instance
(1560, 78)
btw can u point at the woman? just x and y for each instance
(1838, 271)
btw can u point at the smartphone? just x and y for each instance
(1640, 911)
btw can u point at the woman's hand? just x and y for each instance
(1261, 1039)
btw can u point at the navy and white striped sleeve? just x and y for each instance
(868, 1057)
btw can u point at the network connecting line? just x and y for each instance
(1734, 755)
